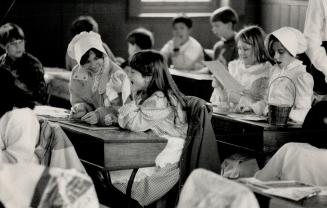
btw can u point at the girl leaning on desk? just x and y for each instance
(97, 86)
(157, 105)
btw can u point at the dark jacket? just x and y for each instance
(200, 149)
(29, 71)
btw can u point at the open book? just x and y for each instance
(221, 73)
(293, 190)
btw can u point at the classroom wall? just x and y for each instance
(46, 24)
(279, 13)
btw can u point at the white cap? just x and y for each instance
(83, 42)
(292, 39)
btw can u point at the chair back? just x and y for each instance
(55, 149)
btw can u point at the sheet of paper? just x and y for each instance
(81, 124)
(221, 73)
(293, 190)
(248, 117)
(51, 112)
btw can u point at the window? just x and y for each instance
(169, 8)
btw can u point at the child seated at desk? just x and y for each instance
(27, 68)
(223, 21)
(283, 45)
(157, 105)
(19, 126)
(251, 70)
(98, 86)
(183, 51)
(137, 40)
(85, 24)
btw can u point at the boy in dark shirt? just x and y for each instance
(23, 65)
(223, 21)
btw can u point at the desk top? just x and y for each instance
(115, 149)
(264, 124)
(317, 201)
(116, 135)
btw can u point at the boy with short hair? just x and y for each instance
(183, 51)
(27, 68)
(223, 21)
(138, 39)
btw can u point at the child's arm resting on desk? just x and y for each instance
(143, 117)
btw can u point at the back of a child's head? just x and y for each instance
(10, 32)
(142, 37)
(254, 36)
(152, 63)
(225, 15)
(84, 24)
(183, 19)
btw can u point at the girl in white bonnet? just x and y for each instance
(98, 87)
(283, 45)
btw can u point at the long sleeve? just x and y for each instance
(38, 84)
(315, 23)
(143, 117)
(19, 135)
(303, 100)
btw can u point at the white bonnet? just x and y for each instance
(292, 39)
(83, 42)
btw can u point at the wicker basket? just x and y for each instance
(278, 114)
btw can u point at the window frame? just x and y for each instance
(170, 8)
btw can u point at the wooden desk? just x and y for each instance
(258, 138)
(268, 201)
(57, 80)
(198, 85)
(115, 149)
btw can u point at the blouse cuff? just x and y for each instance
(127, 108)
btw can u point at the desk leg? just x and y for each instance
(129, 186)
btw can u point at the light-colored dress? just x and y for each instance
(166, 121)
(297, 161)
(282, 91)
(92, 90)
(189, 55)
(247, 78)
(19, 133)
(315, 31)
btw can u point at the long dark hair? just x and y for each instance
(13, 92)
(152, 63)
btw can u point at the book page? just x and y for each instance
(290, 189)
(221, 73)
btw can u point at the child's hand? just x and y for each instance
(244, 104)
(116, 82)
(91, 117)
(77, 111)
(177, 41)
(110, 119)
